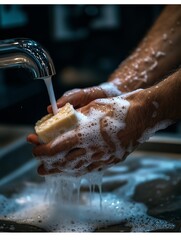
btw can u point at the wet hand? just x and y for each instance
(109, 130)
(94, 145)
(81, 97)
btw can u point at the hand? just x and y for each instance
(81, 97)
(92, 145)
(106, 134)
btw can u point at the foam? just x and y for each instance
(156, 104)
(153, 66)
(165, 36)
(90, 136)
(144, 76)
(160, 54)
(110, 89)
(116, 81)
(32, 207)
(149, 132)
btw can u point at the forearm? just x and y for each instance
(152, 109)
(168, 96)
(158, 103)
(156, 55)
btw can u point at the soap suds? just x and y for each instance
(82, 212)
(154, 114)
(93, 136)
(156, 104)
(160, 54)
(151, 131)
(165, 37)
(170, 42)
(153, 66)
(110, 89)
(116, 81)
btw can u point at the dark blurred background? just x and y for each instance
(86, 43)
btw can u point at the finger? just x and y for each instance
(33, 138)
(94, 105)
(70, 158)
(80, 97)
(97, 155)
(43, 171)
(61, 143)
(102, 164)
(91, 94)
(74, 97)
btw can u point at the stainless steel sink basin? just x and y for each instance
(10, 135)
(18, 168)
(15, 154)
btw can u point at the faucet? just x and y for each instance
(26, 53)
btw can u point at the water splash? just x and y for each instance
(119, 185)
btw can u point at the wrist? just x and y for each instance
(161, 101)
(145, 115)
(151, 107)
(168, 95)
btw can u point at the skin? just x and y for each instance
(155, 103)
(162, 37)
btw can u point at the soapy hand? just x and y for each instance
(105, 135)
(81, 97)
(94, 144)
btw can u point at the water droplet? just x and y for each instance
(172, 30)
(170, 42)
(160, 54)
(165, 37)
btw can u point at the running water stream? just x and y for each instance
(48, 83)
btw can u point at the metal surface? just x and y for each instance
(27, 54)
(20, 169)
(15, 152)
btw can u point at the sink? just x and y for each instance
(16, 157)
(18, 172)
(12, 135)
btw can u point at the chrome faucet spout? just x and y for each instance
(26, 53)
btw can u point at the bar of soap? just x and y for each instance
(50, 126)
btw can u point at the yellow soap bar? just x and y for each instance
(50, 126)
